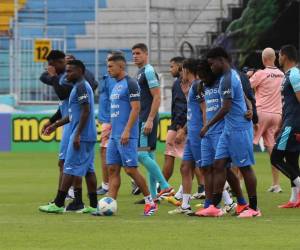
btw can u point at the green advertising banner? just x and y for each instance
(25, 133)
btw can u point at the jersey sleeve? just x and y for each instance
(226, 87)
(82, 94)
(198, 90)
(151, 77)
(133, 90)
(295, 79)
(256, 79)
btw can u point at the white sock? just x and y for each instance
(104, 185)
(297, 182)
(294, 194)
(226, 198)
(186, 201)
(148, 199)
(178, 195)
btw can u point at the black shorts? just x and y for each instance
(288, 140)
(149, 140)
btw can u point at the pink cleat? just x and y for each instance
(150, 209)
(249, 213)
(211, 211)
(289, 204)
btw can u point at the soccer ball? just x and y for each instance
(107, 206)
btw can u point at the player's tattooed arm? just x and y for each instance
(52, 120)
(51, 128)
(218, 117)
(249, 113)
(133, 116)
(155, 92)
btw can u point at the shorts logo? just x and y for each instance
(242, 161)
(80, 98)
(68, 168)
(129, 160)
(134, 95)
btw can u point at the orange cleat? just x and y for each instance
(166, 192)
(289, 204)
(240, 208)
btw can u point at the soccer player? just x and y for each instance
(178, 117)
(267, 85)
(55, 77)
(195, 120)
(235, 143)
(211, 139)
(148, 120)
(123, 141)
(88, 75)
(106, 86)
(285, 154)
(79, 160)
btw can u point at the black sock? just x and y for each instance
(93, 199)
(200, 188)
(253, 202)
(78, 195)
(60, 198)
(217, 197)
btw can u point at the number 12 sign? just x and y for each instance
(42, 48)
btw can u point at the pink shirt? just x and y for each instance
(267, 85)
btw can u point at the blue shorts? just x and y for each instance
(122, 155)
(238, 146)
(208, 149)
(80, 162)
(192, 151)
(63, 146)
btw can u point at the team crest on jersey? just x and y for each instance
(227, 92)
(119, 87)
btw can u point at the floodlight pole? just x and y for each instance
(148, 25)
(16, 48)
(96, 40)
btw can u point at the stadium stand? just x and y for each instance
(118, 29)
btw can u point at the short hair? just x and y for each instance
(177, 59)
(116, 52)
(218, 52)
(140, 46)
(290, 52)
(55, 55)
(78, 64)
(116, 58)
(72, 56)
(191, 64)
(205, 69)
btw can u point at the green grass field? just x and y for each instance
(28, 180)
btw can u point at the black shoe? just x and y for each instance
(73, 207)
(142, 201)
(135, 189)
